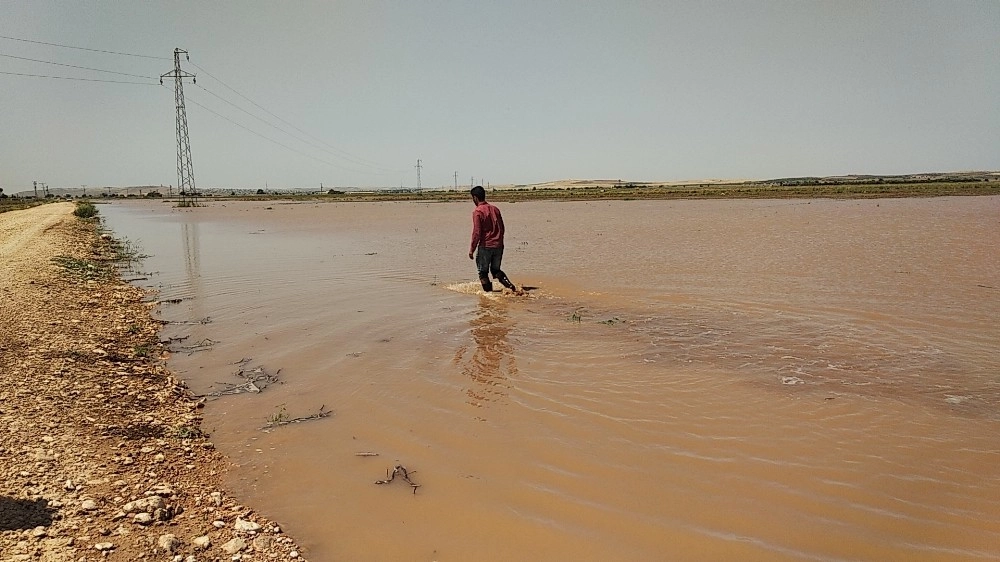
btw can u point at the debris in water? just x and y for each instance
(399, 469)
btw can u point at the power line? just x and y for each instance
(75, 66)
(259, 118)
(81, 79)
(269, 139)
(82, 48)
(277, 128)
(336, 151)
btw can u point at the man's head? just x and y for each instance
(478, 194)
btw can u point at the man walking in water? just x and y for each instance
(487, 241)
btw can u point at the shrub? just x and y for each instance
(85, 210)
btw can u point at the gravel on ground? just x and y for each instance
(102, 455)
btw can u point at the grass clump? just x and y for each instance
(85, 210)
(87, 270)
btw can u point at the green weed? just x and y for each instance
(85, 210)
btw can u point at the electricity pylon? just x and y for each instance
(185, 169)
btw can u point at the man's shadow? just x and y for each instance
(19, 515)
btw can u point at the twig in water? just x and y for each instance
(366, 454)
(399, 469)
(276, 422)
(200, 346)
(205, 320)
(256, 380)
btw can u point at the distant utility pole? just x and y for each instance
(418, 166)
(185, 169)
(472, 182)
(35, 185)
(456, 181)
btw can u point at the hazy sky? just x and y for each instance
(512, 92)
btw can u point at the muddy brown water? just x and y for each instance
(690, 380)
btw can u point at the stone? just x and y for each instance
(218, 524)
(169, 543)
(104, 546)
(293, 554)
(261, 542)
(89, 505)
(245, 526)
(234, 546)
(143, 518)
(38, 532)
(145, 504)
(202, 542)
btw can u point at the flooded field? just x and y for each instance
(689, 380)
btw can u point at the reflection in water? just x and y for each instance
(192, 267)
(492, 362)
(192, 254)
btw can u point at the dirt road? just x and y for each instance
(20, 240)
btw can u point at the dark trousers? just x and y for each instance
(488, 262)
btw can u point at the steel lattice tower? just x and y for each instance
(185, 169)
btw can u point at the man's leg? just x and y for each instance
(483, 266)
(498, 273)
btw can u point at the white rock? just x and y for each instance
(89, 505)
(218, 524)
(143, 518)
(246, 526)
(293, 554)
(202, 542)
(168, 543)
(234, 546)
(145, 504)
(103, 546)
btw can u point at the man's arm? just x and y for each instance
(476, 231)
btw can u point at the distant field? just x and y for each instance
(719, 191)
(12, 204)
